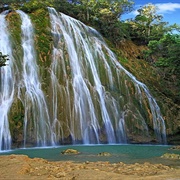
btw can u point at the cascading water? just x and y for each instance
(33, 100)
(83, 106)
(6, 84)
(91, 99)
(95, 111)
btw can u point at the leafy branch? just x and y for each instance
(3, 59)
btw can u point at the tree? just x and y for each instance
(148, 25)
(33, 5)
(3, 59)
(11, 4)
(165, 53)
(91, 8)
(169, 46)
(104, 15)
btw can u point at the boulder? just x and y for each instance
(70, 151)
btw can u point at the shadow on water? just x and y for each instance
(118, 153)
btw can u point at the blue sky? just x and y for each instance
(169, 9)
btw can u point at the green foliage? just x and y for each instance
(33, 5)
(148, 25)
(18, 118)
(115, 7)
(103, 15)
(8, 2)
(164, 54)
(70, 9)
(169, 57)
(11, 4)
(3, 59)
(43, 36)
(94, 8)
(111, 28)
(43, 43)
(14, 24)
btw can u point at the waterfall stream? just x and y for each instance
(33, 99)
(6, 84)
(92, 98)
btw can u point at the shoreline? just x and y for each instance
(23, 167)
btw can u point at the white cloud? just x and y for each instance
(134, 13)
(169, 10)
(162, 8)
(167, 7)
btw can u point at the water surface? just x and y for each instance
(119, 153)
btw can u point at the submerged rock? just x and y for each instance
(70, 151)
(175, 148)
(170, 156)
(104, 154)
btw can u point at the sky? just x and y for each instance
(169, 9)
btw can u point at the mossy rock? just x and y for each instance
(70, 151)
(104, 154)
(175, 148)
(170, 156)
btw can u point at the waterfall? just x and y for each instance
(94, 76)
(83, 106)
(6, 85)
(89, 98)
(35, 106)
